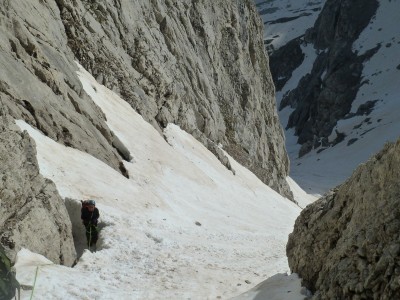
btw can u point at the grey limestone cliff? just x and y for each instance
(346, 244)
(32, 213)
(199, 64)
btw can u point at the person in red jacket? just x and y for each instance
(90, 215)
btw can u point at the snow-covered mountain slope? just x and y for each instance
(373, 116)
(182, 226)
(286, 20)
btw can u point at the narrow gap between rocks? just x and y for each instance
(78, 230)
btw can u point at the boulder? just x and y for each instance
(346, 244)
(32, 213)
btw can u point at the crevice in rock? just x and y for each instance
(123, 170)
(45, 77)
(287, 19)
(78, 230)
(121, 149)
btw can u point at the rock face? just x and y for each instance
(38, 82)
(32, 214)
(325, 95)
(199, 64)
(346, 245)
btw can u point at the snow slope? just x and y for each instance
(365, 135)
(181, 227)
(285, 20)
(279, 286)
(318, 171)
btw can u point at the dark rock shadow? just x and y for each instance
(278, 286)
(78, 230)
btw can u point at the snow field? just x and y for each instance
(181, 227)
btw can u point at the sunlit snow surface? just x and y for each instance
(182, 226)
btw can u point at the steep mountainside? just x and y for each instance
(32, 213)
(286, 20)
(346, 244)
(326, 94)
(285, 24)
(199, 64)
(336, 87)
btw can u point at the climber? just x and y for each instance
(90, 215)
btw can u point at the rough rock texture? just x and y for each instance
(325, 95)
(199, 64)
(32, 214)
(346, 244)
(38, 81)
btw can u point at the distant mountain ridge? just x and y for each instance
(335, 81)
(286, 20)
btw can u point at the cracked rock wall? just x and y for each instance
(346, 244)
(198, 64)
(32, 213)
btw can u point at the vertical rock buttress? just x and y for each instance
(346, 244)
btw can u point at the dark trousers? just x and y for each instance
(91, 234)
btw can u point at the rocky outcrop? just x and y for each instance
(32, 213)
(346, 244)
(38, 81)
(326, 94)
